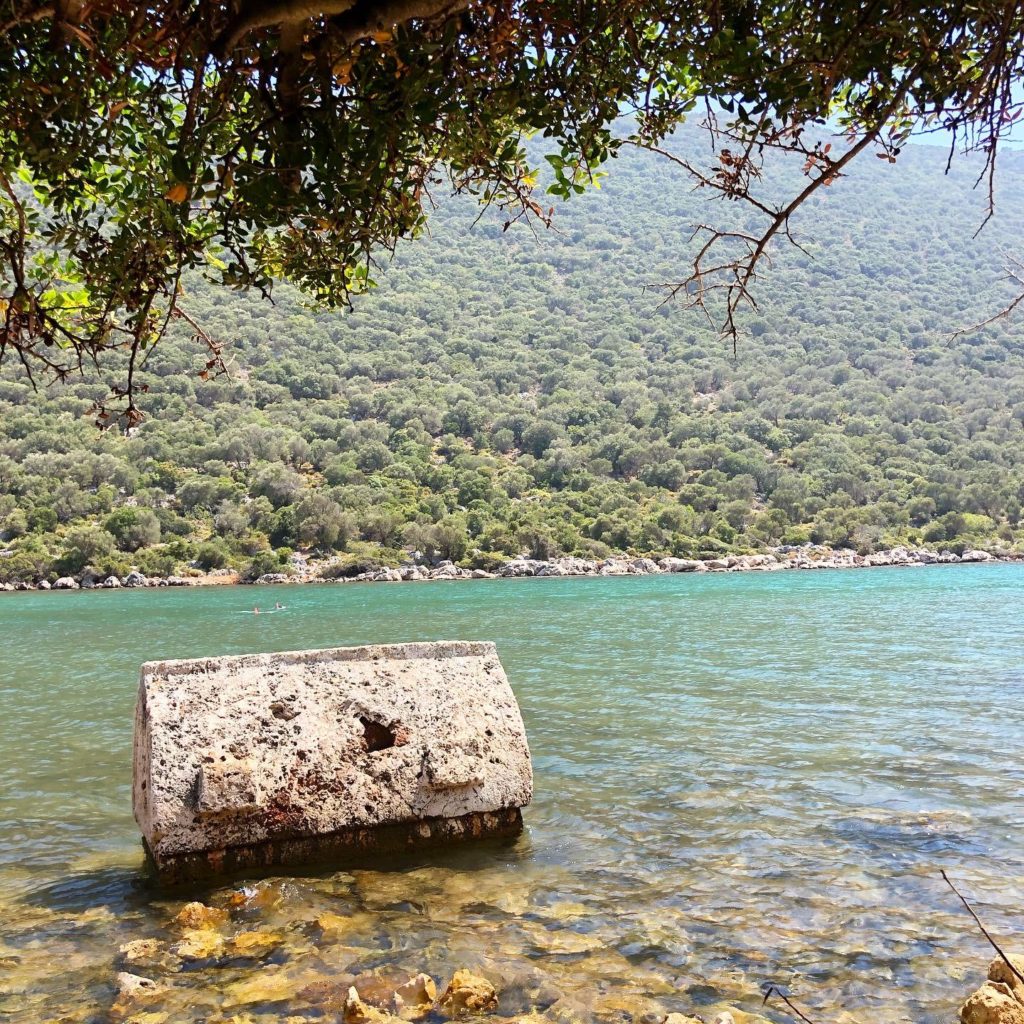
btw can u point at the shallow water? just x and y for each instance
(741, 779)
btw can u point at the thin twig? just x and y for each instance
(984, 931)
(773, 991)
(1014, 275)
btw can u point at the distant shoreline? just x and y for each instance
(781, 560)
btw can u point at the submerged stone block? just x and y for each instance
(253, 761)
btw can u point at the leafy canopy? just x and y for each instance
(266, 140)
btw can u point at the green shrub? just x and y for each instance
(489, 561)
(212, 555)
(156, 562)
(26, 567)
(133, 528)
(83, 545)
(115, 564)
(796, 535)
(595, 549)
(264, 563)
(349, 566)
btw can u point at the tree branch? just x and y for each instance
(733, 181)
(357, 19)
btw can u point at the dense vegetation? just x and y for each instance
(503, 393)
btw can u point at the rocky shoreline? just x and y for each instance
(148, 985)
(149, 972)
(304, 570)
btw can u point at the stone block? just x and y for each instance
(253, 761)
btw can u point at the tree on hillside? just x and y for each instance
(266, 140)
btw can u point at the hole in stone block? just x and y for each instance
(375, 735)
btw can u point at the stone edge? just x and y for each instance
(342, 848)
(418, 650)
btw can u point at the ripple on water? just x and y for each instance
(740, 779)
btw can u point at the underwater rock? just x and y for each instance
(623, 1004)
(326, 996)
(132, 991)
(415, 998)
(267, 986)
(198, 915)
(255, 944)
(140, 949)
(468, 993)
(199, 944)
(333, 926)
(375, 990)
(143, 953)
(731, 1015)
(243, 762)
(134, 986)
(569, 1009)
(357, 1012)
(262, 895)
(528, 991)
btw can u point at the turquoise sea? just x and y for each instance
(740, 779)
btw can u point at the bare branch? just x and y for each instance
(733, 178)
(1015, 273)
(984, 931)
(773, 991)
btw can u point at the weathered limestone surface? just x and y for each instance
(279, 758)
(1000, 1000)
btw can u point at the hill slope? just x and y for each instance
(501, 393)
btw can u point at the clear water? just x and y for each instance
(740, 779)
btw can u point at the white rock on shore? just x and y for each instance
(681, 565)
(806, 557)
(976, 556)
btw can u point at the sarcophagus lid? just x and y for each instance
(258, 760)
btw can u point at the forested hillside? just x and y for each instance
(502, 393)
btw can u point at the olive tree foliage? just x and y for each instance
(266, 140)
(320, 522)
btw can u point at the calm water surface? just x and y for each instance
(740, 779)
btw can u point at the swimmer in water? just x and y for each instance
(278, 606)
(256, 610)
